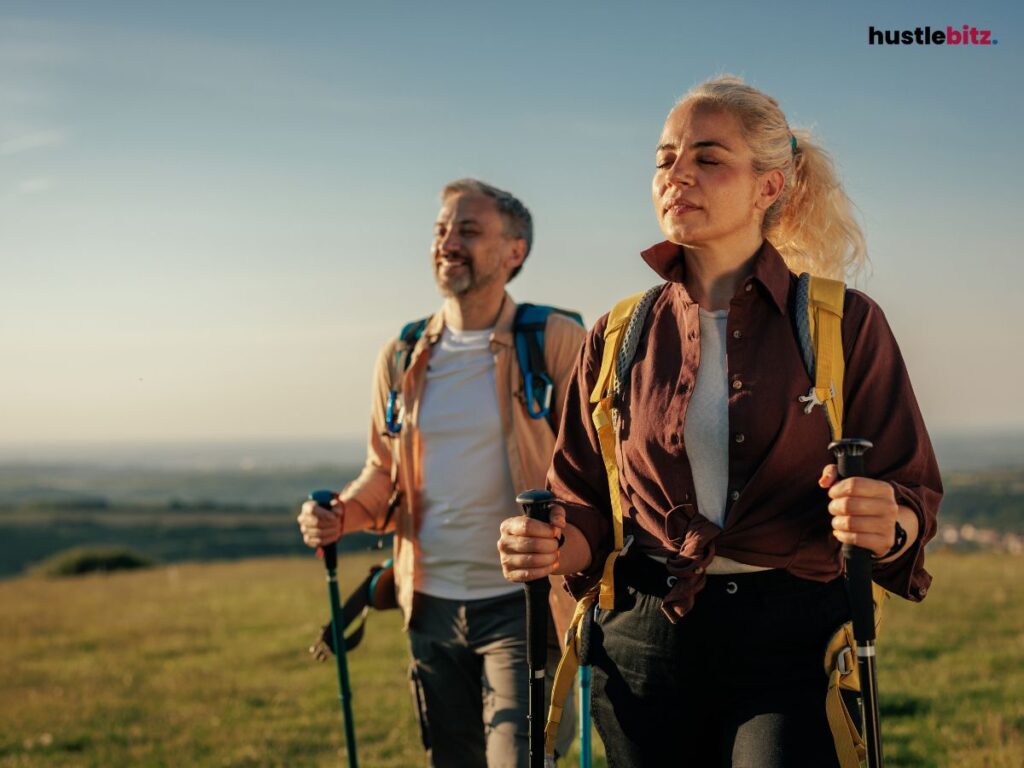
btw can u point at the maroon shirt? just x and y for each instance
(776, 514)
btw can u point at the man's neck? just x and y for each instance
(475, 311)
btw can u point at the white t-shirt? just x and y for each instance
(466, 485)
(706, 430)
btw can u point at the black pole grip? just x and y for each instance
(537, 506)
(324, 498)
(849, 455)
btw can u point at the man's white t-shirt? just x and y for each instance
(466, 485)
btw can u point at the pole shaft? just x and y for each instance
(850, 463)
(537, 506)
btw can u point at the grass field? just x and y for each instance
(206, 665)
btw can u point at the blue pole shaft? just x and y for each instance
(344, 684)
(585, 716)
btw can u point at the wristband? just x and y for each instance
(901, 539)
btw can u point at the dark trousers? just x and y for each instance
(739, 681)
(471, 682)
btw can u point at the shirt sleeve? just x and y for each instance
(373, 487)
(879, 405)
(577, 476)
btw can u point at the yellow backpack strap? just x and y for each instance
(825, 318)
(603, 399)
(841, 669)
(561, 689)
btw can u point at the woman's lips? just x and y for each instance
(680, 208)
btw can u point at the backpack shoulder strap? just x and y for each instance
(407, 339)
(819, 320)
(528, 332)
(621, 334)
(625, 322)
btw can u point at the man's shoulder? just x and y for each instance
(562, 324)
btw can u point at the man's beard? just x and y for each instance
(455, 285)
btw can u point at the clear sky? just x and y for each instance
(213, 214)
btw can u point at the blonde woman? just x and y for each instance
(732, 584)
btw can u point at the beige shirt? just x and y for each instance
(528, 443)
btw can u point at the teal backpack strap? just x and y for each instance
(528, 331)
(411, 333)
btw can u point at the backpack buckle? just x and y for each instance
(842, 660)
(811, 398)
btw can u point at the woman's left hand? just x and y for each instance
(864, 511)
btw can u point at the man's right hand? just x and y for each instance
(321, 526)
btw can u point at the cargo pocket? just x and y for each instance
(419, 703)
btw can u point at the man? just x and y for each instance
(465, 446)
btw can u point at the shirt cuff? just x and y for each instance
(596, 529)
(905, 576)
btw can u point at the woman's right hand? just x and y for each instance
(321, 526)
(529, 549)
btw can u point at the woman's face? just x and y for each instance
(705, 190)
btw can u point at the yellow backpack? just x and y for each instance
(819, 313)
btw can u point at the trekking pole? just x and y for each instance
(849, 455)
(585, 678)
(330, 551)
(537, 506)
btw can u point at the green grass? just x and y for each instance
(206, 665)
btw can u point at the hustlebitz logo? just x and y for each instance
(965, 35)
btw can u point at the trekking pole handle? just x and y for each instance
(330, 551)
(537, 506)
(849, 455)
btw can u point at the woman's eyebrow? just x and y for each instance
(695, 145)
(709, 143)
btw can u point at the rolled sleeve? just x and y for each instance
(880, 405)
(577, 476)
(372, 489)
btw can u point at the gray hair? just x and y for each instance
(518, 221)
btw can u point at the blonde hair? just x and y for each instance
(812, 223)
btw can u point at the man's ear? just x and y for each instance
(517, 254)
(771, 185)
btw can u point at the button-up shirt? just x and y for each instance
(526, 442)
(776, 514)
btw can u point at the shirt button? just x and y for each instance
(734, 495)
(740, 437)
(737, 334)
(737, 384)
(748, 287)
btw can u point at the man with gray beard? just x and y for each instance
(451, 442)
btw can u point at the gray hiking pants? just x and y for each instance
(470, 681)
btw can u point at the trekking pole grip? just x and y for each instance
(330, 551)
(537, 506)
(849, 455)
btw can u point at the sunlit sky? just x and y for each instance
(213, 214)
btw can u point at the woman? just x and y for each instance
(732, 585)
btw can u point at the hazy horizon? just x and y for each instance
(965, 449)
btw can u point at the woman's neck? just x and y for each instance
(713, 275)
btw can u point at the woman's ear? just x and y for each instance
(769, 189)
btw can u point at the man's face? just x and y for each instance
(470, 249)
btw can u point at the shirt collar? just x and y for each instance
(502, 326)
(770, 271)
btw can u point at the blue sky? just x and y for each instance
(213, 214)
